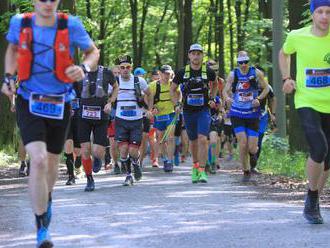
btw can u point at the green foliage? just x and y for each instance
(276, 159)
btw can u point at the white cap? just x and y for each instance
(196, 47)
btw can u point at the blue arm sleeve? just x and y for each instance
(14, 29)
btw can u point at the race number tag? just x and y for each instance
(128, 111)
(195, 100)
(48, 106)
(317, 78)
(163, 118)
(75, 104)
(91, 112)
(245, 96)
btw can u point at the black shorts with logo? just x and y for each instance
(128, 131)
(97, 127)
(35, 128)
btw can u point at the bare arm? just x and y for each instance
(264, 85)
(284, 62)
(227, 89)
(11, 68)
(214, 89)
(114, 94)
(91, 56)
(173, 93)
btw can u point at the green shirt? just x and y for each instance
(165, 105)
(313, 68)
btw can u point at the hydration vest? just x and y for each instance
(62, 56)
(245, 90)
(157, 97)
(195, 90)
(101, 87)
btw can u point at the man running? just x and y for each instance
(94, 110)
(311, 93)
(128, 120)
(241, 93)
(195, 79)
(41, 48)
(164, 114)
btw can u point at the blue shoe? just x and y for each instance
(43, 238)
(97, 164)
(168, 166)
(49, 214)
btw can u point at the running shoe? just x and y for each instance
(97, 164)
(128, 181)
(202, 176)
(43, 238)
(155, 163)
(90, 184)
(71, 180)
(246, 177)
(21, 172)
(312, 210)
(213, 169)
(194, 175)
(137, 172)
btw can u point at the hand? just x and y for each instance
(178, 109)
(255, 103)
(75, 73)
(107, 108)
(154, 111)
(273, 118)
(289, 86)
(8, 87)
(149, 114)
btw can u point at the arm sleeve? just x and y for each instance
(211, 74)
(178, 77)
(14, 29)
(78, 34)
(110, 77)
(289, 44)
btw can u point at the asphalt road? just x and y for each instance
(162, 210)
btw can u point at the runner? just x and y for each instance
(44, 92)
(164, 114)
(241, 93)
(95, 106)
(311, 94)
(129, 117)
(195, 79)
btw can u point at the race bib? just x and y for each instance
(75, 104)
(317, 78)
(49, 106)
(245, 96)
(163, 118)
(195, 99)
(91, 112)
(128, 111)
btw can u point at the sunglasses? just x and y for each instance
(44, 1)
(128, 67)
(243, 62)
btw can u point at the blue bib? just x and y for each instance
(48, 106)
(317, 78)
(128, 111)
(195, 99)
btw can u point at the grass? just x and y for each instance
(8, 155)
(276, 159)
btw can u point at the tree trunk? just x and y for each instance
(221, 38)
(102, 31)
(231, 34)
(141, 33)
(238, 10)
(187, 25)
(297, 139)
(7, 123)
(180, 42)
(134, 16)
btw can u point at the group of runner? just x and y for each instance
(111, 112)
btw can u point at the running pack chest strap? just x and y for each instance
(61, 47)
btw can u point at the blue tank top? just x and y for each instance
(244, 93)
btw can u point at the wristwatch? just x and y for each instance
(86, 68)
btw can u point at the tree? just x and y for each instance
(7, 123)
(297, 139)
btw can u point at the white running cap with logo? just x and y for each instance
(196, 47)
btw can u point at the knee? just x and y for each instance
(318, 154)
(202, 140)
(253, 149)
(85, 153)
(39, 161)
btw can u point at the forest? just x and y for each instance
(160, 32)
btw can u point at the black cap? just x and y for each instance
(166, 68)
(124, 59)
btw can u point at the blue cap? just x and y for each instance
(318, 3)
(139, 71)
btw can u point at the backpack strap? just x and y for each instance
(157, 94)
(235, 82)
